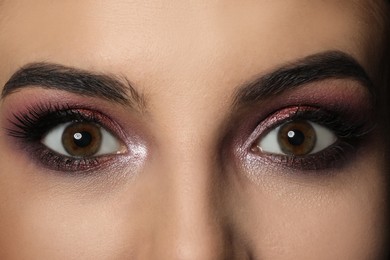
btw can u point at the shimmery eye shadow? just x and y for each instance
(26, 123)
(348, 133)
(342, 106)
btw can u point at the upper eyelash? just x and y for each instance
(340, 125)
(32, 126)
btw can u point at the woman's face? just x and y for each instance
(191, 130)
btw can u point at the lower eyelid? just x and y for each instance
(53, 161)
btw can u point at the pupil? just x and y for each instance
(295, 137)
(82, 139)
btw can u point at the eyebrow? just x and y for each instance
(317, 67)
(82, 82)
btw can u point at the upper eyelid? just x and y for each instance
(50, 116)
(317, 115)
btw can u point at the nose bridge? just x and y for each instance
(194, 226)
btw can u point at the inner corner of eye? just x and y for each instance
(269, 143)
(110, 144)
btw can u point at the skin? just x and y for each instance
(187, 199)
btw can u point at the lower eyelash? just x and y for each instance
(57, 162)
(332, 157)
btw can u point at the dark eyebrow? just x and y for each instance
(82, 82)
(317, 67)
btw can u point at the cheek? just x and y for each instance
(57, 217)
(40, 217)
(299, 217)
(51, 220)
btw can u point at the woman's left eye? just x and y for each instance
(297, 138)
(81, 140)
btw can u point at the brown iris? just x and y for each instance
(82, 139)
(297, 138)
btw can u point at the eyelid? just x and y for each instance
(29, 127)
(48, 116)
(349, 130)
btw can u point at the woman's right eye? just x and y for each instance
(82, 140)
(67, 139)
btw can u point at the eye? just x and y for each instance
(81, 140)
(297, 138)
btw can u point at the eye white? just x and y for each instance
(269, 143)
(53, 140)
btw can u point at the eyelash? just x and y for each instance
(32, 126)
(350, 134)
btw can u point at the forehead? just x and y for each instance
(173, 39)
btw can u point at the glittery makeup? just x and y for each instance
(344, 110)
(31, 124)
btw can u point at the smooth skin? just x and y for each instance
(188, 199)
